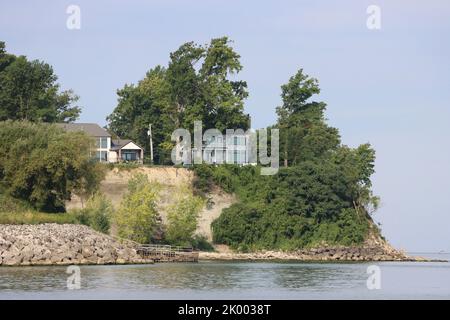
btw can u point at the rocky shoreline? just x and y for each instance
(69, 244)
(62, 244)
(329, 254)
(375, 248)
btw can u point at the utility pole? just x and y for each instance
(149, 132)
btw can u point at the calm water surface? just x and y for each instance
(231, 280)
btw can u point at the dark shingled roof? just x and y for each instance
(117, 144)
(91, 129)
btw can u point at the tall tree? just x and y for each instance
(195, 86)
(29, 91)
(53, 164)
(304, 134)
(146, 103)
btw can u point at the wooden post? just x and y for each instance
(151, 142)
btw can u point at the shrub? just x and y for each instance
(182, 218)
(137, 218)
(10, 204)
(97, 213)
(201, 243)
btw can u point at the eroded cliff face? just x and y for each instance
(114, 187)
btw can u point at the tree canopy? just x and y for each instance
(304, 134)
(44, 165)
(29, 91)
(196, 85)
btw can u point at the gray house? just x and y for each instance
(106, 148)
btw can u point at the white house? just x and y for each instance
(106, 148)
(125, 150)
(227, 149)
(218, 149)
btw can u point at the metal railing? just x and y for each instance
(164, 247)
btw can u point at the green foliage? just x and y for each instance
(34, 217)
(229, 177)
(174, 97)
(10, 204)
(97, 214)
(127, 166)
(182, 218)
(199, 242)
(309, 204)
(304, 135)
(17, 211)
(29, 91)
(137, 218)
(43, 165)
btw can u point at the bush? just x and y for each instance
(230, 177)
(182, 218)
(10, 204)
(16, 211)
(97, 213)
(137, 218)
(201, 243)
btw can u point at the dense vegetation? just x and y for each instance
(321, 195)
(40, 165)
(43, 165)
(301, 206)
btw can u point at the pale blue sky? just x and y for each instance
(389, 87)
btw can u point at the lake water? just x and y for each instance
(232, 280)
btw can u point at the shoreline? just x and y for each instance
(59, 245)
(341, 254)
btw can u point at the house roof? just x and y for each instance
(91, 129)
(117, 144)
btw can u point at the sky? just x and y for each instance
(388, 86)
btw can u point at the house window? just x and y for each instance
(129, 155)
(235, 156)
(104, 143)
(101, 156)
